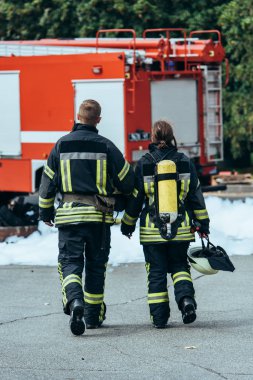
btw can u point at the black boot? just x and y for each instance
(89, 326)
(92, 322)
(188, 309)
(160, 325)
(76, 322)
(161, 316)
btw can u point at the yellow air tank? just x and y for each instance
(166, 172)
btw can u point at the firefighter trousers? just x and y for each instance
(84, 247)
(161, 259)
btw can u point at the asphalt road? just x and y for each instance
(35, 341)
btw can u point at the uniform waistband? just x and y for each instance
(101, 203)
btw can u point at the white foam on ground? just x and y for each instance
(231, 228)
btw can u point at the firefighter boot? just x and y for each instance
(188, 309)
(76, 322)
(91, 321)
(160, 315)
(160, 325)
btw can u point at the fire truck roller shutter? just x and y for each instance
(176, 101)
(10, 144)
(110, 94)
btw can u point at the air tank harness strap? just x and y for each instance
(155, 156)
(166, 176)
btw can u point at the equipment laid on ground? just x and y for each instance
(20, 211)
(209, 259)
(19, 217)
(232, 178)
(137, 81)
(237, 186)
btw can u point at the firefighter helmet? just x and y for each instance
(209, 259)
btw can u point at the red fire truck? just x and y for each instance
(176, 76)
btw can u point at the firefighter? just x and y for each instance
(165, 245)
(87, 170)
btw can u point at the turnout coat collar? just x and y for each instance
(160, 153)
(84, 127)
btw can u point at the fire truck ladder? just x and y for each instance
(213, 113)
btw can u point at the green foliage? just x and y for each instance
(70, 18)
(237, 26)
(36, 19)
(131, 14)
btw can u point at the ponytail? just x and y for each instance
(163, 135)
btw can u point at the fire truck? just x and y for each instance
(167, 73)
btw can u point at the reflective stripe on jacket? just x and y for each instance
(189, 193)
(83, 162)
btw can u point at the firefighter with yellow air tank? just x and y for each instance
(166, 182)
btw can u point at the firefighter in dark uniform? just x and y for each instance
(87, 170)
(164, 256)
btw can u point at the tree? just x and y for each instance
(237, 25)
(37, 19)
(144, 14)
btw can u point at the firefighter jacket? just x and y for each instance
(82, 162)
(189, 193)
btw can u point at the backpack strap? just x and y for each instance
(155, 157)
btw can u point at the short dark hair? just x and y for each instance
(89, 111)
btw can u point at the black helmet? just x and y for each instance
(209, 259)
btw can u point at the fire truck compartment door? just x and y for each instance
(10, 144)
(110, 95)
(176, 101)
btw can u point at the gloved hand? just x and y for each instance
(201, 229)
(127, 230)
(47, 217)
(49, 223)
